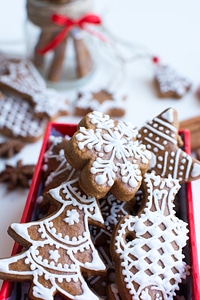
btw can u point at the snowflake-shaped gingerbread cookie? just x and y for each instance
(109, 156)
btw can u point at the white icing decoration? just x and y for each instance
(54, 255)
(169, 116)
(195, 170)
(164, 230)
(72, 217)
(119, 141)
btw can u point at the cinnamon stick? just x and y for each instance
(84, 62)
(56, 68)
(44, 38)
(193, 125)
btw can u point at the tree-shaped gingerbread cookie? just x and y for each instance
(58, 248)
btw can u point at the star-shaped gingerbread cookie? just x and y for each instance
(58, 248)
(103, 100)
(161, 137)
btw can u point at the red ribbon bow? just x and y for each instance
(68, 25)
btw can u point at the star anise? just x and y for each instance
(19, 175)
(10, 148)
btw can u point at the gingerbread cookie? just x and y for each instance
(55, 166)
(112, 211)
(23, 79)
(108, 155)
(55, 170)
(99, 283)
(147, 249)
(58, 248)
(101, 100)
(170, 84)
(17, 119)
(160, 136)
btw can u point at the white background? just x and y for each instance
(168, 29)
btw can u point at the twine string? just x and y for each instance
(40, 14)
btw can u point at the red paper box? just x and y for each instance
(191, 289)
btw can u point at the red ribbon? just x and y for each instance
(68, 24)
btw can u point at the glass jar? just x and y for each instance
(64, 56)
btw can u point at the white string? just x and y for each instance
(122, 53)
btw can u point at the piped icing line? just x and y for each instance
(37, 271)
(190, 167)
(50, 154)
(169, 121)
(176, 163)
(165, 164)
(159, 133)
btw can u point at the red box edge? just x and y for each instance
(4, 293)
(193, 241)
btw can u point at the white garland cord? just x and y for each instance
(114, 48)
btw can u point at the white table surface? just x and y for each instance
(168, 29)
